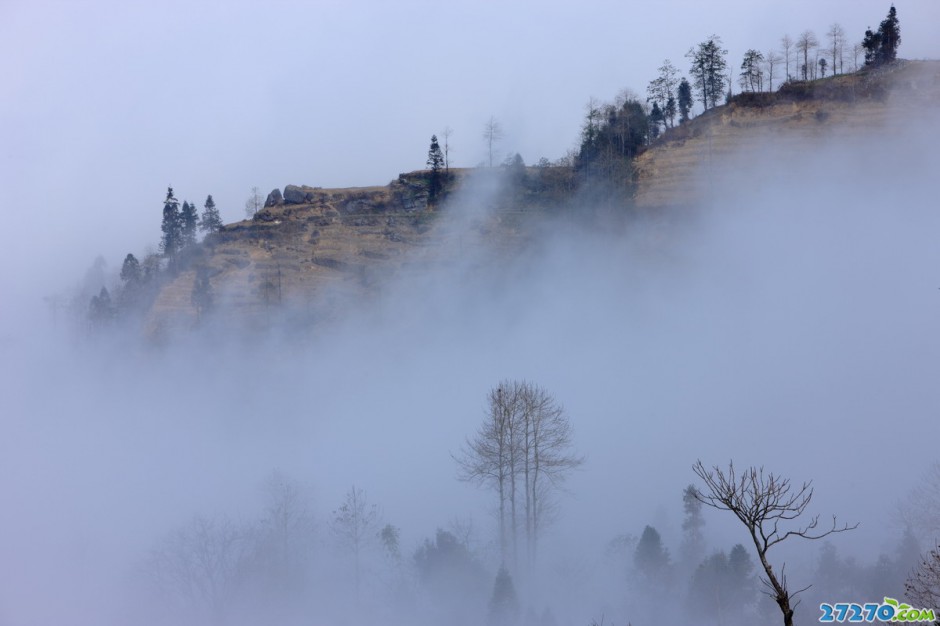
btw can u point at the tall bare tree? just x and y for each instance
(836, 35)
(772, 60)
(523, 451)
(786, 44)
(254, 202)
(762, 502)
(446, 133)
(492, 133)
(355, 524)
(807, 41)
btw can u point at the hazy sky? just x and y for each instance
(768, 331)
(106, 103)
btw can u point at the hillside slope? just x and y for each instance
(314, 248)
(801, 117)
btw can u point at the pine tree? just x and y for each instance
(211, 221)
(656, 119)
(130, 270)
(101, 310)
(188, 222)
(171, 227)
(889, 34)
(504, 605)
(872, 45)
(685, 100)
(436, 164)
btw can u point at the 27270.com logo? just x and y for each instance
(888, 611)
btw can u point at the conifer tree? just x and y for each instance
(130, 270)
(210, 221)
(504, 606)
(188, 222)
(889, 34)
(171, 242)
(436, 164)
(708, 70)
(685, 100)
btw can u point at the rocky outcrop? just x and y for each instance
(274, 199)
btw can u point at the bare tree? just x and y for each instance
(772, 59)
(836, 35)
(762, 502)
(287, 527)
(492, 133)
(522, 450)
(806, 42)
(786, 44)
(923, 585)
(354, 525)
(203, 566)
(254, 203)
(446, 133)
(856, 52)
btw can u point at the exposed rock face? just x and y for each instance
(274, 199)
(297, 195)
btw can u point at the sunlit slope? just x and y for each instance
(681, 169)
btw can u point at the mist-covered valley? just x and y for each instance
(789, 321)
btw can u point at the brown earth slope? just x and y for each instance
(313, 247)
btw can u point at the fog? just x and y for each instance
(789, 321)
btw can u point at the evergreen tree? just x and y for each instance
(685, 100)
(662, 90)
(889, 34)
(656, 119)
(872, 46)
(650, 557)
(130, 270)
(211, 221)
(101, 310)
(436, 164)
(188, 222)
(171, 242)
(504, 605)
(693, 542)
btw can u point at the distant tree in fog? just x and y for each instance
(651, 558)
(254, 203)
(201, 295)
(523, 452)
(211, 221)
(454, 579)
(354, 525)
(786, 45)
(101, 310)
(693, 541)
(772, 60)
(752, 71)
(446, 133)
(202, 567)
(836, 35)
(189, 221)
(504, 605)
(763, 502)
(492, 133)
(286, 530)
(722, 588)
(130, 269)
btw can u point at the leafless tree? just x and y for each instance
(492, 133)
(355, 524)
(856, 52)
(786, 44)
(922, 587)
(446, 133)
(762, 502)
(286, 529)
(254, 203)
(203, 565)
(836, 35)
(772, 59)
(522, 450)
(806, 42)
